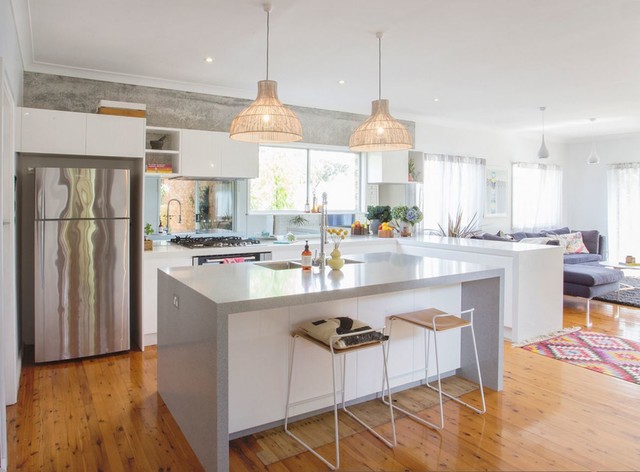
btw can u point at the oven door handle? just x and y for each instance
(223, 260)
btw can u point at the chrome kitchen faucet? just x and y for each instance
(179, 212)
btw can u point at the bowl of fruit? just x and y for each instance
(385, 230)
(358, 229)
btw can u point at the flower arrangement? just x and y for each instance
(337, 235)
(404, 214)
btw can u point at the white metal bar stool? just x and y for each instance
(434, 321)
(335, 352)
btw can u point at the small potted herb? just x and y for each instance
(148, 244)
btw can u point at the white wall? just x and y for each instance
(10, 50)
(498, 148)
(586, 185)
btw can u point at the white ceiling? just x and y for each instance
(491, 63)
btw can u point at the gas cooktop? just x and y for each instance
(194, 242)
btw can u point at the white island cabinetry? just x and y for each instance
(533, 278)
(223, 337)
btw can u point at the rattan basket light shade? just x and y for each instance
(266, 120)
(380, 132)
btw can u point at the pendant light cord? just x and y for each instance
(379, 35)
(267, 8)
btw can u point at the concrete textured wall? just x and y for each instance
(178, 109)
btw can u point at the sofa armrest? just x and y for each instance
(602, 247)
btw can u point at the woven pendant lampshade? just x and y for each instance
(266, 120)
(381, 131)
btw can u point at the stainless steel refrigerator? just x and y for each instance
(81, 262)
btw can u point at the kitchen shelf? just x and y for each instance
(168, 156)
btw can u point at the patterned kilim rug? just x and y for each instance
(606, 354)
(276, 445)
(628, 295)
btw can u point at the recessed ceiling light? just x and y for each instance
(341, 82)
(436, 99)
(208, 60)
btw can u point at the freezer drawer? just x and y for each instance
(72, 193)
(81, 288)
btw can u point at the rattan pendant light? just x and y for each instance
(266, 120)
(381, 131)
(543, 152)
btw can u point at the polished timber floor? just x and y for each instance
(103, 414)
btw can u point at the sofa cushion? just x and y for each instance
(591, 275)
(493, 237)
(581, 258)
(539, 240)
(564, 230)
(571, 243)
(577, 290)
(591, 240)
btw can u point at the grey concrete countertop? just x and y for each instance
(249, 287)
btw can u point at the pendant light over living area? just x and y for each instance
(381, 131)
(266, 120)
(593, 155)
(543, 152)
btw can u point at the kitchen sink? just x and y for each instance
(286, 265)
(280, 265)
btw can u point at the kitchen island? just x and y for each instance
(223, 336)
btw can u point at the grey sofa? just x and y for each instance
(583, 275)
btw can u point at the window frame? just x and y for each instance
(361, 169)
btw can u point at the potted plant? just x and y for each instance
(378, 214)
(404, 219)
(148, 244)
(457, 229)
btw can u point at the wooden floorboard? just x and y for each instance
(104, 414)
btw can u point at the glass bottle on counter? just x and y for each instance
(306, 257)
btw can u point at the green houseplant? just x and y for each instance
(457, 229)
(148, 244)
(378, 214)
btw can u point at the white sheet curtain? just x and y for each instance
(536, 196)
(452, 182)
(623, 197)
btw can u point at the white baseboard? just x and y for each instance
(150, 339)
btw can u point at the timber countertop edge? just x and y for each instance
(236, 288)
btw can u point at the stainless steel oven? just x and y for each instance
(232, 258)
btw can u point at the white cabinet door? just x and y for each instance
(200, 154)
(52, 131)
(150, 293)
(117, 136)
(239, 159)
(388, 167)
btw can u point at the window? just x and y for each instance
(537, 196)
(204, 205)
(290, 178)
(623, 195)
(452, 183)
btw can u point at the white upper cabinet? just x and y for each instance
(118, 136)
(64, 132)
(52, 132)
(239, 159)
(200, 154)
(210, 154)
(395, 167)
